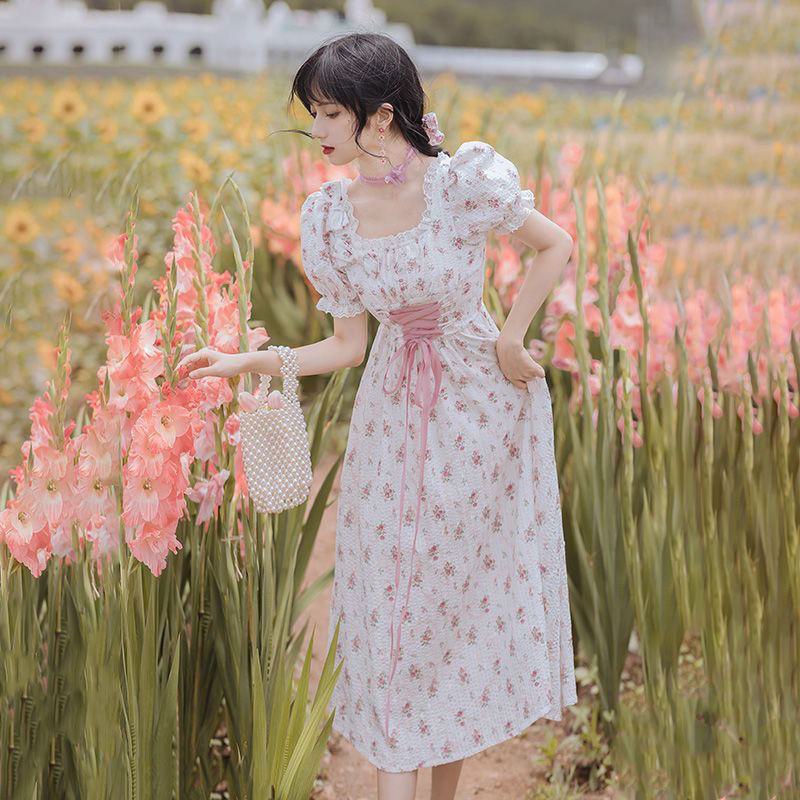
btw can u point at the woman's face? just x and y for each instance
(334, 128)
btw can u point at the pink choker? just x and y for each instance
(395, 175)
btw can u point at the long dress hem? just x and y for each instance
(463, 750)
(449, 515)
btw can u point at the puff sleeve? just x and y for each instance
(484, 190)
(338, 297)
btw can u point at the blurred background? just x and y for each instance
(662, 134)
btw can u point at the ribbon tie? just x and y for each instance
(420, 325)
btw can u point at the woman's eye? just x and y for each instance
(334, 114)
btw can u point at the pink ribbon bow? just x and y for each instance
(431, 125)
(420, 325)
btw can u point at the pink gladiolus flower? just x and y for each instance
(594, 379)
(204, 447)
(49, 483)
(93, 492)
(240, 479)
(21, 518)
(231, 429)
(564, 356)
(208, 494)
(147, 435)
(247, 401)
(41, 410)
(97, 452)
(172, 422)
(33, 554)
(151, 543)
(101, 531)
(627, 329)
(25, 532)
(562, 302)
(147, 494)
(508, 265)
(537, 348)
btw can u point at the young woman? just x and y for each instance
(450, 580)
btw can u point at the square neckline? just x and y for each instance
(353, 221)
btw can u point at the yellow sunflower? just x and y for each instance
(68, 106)
(148, 107)
(107, 129)
(196, 128)
(67, 287)
(33, 128)
(71, 248)
(21, 226)
(195, 169)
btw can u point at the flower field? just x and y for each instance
(147, 626)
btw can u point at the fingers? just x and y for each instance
(203, 372)
(523, 383)
(190, 359)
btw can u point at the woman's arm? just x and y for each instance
(346, 348)
(554, 247)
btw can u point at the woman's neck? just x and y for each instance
(371, 167)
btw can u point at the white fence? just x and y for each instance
(240, 35)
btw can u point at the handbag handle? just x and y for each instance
(289, 370)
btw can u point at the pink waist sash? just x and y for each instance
(420, 324)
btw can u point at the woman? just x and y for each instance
(450, 580)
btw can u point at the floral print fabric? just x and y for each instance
(486, 646)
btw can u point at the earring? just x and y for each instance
(382, 151)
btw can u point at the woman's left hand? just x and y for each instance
(516, 362)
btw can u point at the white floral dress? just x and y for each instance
(486, 644)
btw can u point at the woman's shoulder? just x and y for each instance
(477, 159)
(322, 198)
(322, 210)
(477, 168)
(484, 189)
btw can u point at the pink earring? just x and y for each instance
(382, 151)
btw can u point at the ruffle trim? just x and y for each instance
(522, 208)
(340, 309)
(351, 222)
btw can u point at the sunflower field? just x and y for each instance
(152, 622)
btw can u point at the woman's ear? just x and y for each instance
(384, 115)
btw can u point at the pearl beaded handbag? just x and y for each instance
(274, 441)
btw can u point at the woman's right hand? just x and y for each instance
(211, 363)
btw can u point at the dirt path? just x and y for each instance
(503, 772)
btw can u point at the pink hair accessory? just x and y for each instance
(431, 125)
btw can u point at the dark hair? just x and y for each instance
(361, 71)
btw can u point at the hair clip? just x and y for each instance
(431, 125)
